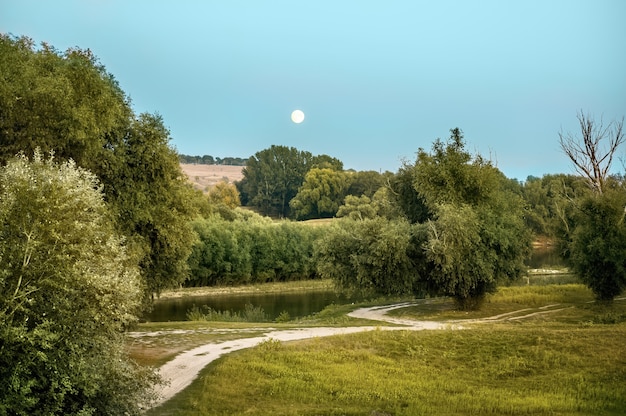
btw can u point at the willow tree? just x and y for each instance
(477, 235)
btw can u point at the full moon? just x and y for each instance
(297, 116)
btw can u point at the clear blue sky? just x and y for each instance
(376, 79)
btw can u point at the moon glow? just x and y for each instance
(297, 116)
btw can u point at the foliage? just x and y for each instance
(68, 289)
(68, 103)
(210, 160)
(61, 102)
(372, 254)
(357, 208)
(549, 203)
(225, 194)
(321, 194)
(366, 182)
(599, 243)
(407, 198)
(477, 236)
(250, 313)
(153, 202)
(382, 204)
(273, 176)
(250, 249)
(461, 265)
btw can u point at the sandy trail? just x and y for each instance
(185, 367)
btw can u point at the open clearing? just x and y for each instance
(185, 367)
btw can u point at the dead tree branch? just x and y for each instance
(592, 154)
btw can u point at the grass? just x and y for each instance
(571, 362)
(505, 300)
(271, 287)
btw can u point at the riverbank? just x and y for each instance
(554, 340)
(270, 287)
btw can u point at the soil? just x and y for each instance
(204, 176)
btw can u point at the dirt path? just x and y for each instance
(184, 368)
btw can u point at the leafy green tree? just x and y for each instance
(153, 202)
(591, 233)
(251, 249)
(357, 208)
(462, 266)
(598, 244)
(321, 194)
(382, 204)
(68, 290)
(61, 102)
(68, 103)
(224, 193)
(369, 255)
(408, 200)
(219, 255)
(273, 176)
(366, 182)
(474, 207)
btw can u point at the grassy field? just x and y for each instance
(571, 361)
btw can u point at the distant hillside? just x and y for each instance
(204, 176)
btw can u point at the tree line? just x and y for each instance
(210, 160)
(97, 218)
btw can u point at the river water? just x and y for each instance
(297, 304)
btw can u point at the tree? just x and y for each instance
(68, 103)
(272, 178)
(476, 219)
(462, 266)
(321, 194)
(369, 255)
(357, 208)
(68, 290)
(153, 202)
(366, 182)
(598, 244)
(224, 193)
(595, 236)
(407, 198)
(593, 157)
(61, 102)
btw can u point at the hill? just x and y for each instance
(204, 176)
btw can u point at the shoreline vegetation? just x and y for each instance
(531, 349)
(296, 286)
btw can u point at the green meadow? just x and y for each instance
(569, 359)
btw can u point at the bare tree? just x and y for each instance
(593, 153)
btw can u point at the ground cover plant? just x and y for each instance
(570, 362)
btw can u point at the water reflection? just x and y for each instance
(545, 257)
(301, 304)
(296, 304)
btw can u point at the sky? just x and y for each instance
(376, 80)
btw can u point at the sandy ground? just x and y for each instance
(184, 368)
(204, 176)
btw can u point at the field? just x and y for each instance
(204, 176)
(567, 359)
